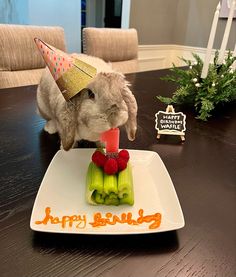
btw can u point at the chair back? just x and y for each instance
(20, 62)
(118, 46)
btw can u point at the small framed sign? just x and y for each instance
(170, 123)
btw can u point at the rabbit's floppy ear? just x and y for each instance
(131, 124)
(66, 124)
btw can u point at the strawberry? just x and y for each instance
(122, 163)
(99, 158)
(124, 154)
(111, 166)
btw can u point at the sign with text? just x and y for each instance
(170, 123)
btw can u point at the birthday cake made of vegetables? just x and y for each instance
(109, 179)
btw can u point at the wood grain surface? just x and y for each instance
(203, 170)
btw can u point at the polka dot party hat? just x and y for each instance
(71, 75)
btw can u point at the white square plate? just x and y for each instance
(63, 191)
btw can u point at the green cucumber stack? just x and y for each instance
(105, 189)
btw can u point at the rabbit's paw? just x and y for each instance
(50, 127)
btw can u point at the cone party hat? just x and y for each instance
(71, 74)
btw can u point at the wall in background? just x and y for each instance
(153, 20)
(14, 11)
(193, 24)
(180, 22)
(66, 14)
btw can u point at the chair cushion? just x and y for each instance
(111, 45)
(17, 47)
(20, 78)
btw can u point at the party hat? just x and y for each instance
(71, 74)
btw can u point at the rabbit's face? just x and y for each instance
(102, 106)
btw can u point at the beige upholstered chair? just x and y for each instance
(20, 62)
(118, 46)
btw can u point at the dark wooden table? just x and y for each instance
(203, 170)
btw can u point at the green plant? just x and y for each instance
(203, 94)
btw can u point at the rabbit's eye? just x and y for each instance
(91, 95)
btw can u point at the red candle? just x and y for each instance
(111, 140)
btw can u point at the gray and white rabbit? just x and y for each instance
(106, 103)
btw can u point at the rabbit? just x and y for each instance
(107, 102)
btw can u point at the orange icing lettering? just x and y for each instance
(149, 218)
(110, 219)
(78, 220)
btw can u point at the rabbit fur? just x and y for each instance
(106, 103)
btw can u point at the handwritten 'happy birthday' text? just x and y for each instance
(80, 221)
